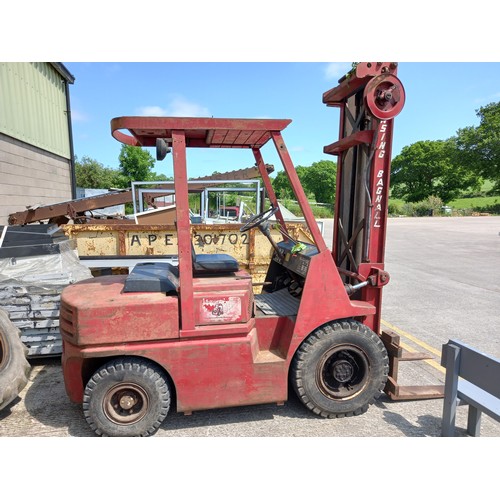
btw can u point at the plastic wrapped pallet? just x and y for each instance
(30, 291)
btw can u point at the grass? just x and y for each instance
(483, 201)
(396, 201)
(460, 203)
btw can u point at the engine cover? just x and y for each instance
(224, 299)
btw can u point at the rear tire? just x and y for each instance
(14, 367)
(126, 397)
(340, 369)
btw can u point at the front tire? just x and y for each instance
(126, 397)
(340, 369)
(14, 367)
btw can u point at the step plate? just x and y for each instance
(279, 303)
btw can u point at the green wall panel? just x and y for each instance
(33, 106)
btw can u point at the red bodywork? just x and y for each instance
(240, 356)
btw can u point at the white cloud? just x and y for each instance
(152, 111)
(178, 106)
(334, 71)
(182, 107)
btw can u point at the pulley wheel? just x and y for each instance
(385, 96)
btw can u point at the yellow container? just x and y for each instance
(251, 249)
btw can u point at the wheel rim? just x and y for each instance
(343, 372)
(126, 404)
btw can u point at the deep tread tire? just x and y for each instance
(121, 382)
(340, 369)
(14, 367)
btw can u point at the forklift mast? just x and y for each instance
(369, 97)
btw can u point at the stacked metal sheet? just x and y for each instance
(36, 263)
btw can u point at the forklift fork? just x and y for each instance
(393, 389)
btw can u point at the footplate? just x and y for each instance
(399, 392)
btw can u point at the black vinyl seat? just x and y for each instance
(164, 277)
(220, 263)
(153, 277)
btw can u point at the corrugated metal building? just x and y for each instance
(36, 147)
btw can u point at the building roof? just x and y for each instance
(63, 71)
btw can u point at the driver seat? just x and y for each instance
(213, 263)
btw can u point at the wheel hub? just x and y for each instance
(127, 401)
(342, 372)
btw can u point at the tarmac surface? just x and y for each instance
(445, 284)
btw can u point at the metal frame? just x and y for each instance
(256, 190)
(471, 379)
(138, 201)
(76, 208)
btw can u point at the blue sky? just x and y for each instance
(254, 70)
(440, 99)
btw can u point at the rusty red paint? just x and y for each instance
(268, 186)
(199, 132)
(361, 137)
(71, 208)
(358, 78)
(103, 313)
(222, 300)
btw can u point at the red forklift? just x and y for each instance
(194, 336)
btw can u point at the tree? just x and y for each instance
(318, 181)
(430, 168)
(93, 175)
(479, 147)
(282, 186)
(136, 164)
(160, 177)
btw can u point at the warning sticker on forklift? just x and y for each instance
(224, 309)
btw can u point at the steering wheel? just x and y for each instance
(258, 219)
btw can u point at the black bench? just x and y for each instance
(472, 378)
